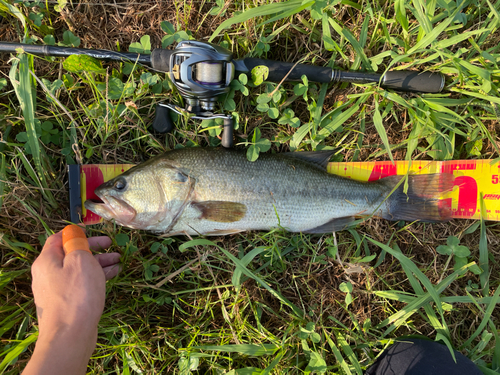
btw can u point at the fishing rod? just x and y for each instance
(203, 71)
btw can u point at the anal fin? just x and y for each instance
(334, 225)
(221, 211)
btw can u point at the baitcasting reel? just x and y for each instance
(202, 71)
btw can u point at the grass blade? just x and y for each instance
(24, 94)
(338, 355)
(245, 260)
(486, 317)
(445, 43)
(421, 16)
(3, 178)
(433, 35)
(377, 121)
(409, 266)
(409, 298)
(289, 13)
(349, 353)
(273, 363)
(483, 252)
(245, 349)
(354, 42)
(488, 98)
(416, 303)
(338, 118)
(16, 12)
(285, 9)
(16, 350)
(400, 10)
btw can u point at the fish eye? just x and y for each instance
(119, 184)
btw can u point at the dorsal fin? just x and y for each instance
(318, 158)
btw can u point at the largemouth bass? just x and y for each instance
(199, 191)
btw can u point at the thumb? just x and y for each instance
(52, 251)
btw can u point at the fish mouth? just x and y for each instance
(112, 208)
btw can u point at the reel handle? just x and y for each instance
(162, 122)
(227, 133)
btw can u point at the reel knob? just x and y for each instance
(227, 133)
(162, 122)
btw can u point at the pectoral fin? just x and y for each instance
(221, 211)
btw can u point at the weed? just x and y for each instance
(459, 253)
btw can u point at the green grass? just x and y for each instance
(256, 303)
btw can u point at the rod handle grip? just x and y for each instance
(73, 238)
(413, 81)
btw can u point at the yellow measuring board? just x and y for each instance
(473, 178)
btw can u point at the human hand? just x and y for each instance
(70, 290)
(69, 296)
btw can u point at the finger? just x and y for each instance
(53, 250)
(112, 271)
(80, 257)
(99, 242)
(74, 238)
(108, 259)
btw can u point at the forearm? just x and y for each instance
(62, 352)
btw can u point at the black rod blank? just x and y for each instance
(99, 54)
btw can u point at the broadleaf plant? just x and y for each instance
(258, 145)
(459, 252)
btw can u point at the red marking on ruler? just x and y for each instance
(492, 196)
(93, 178)
(381, 170)
(467, 197)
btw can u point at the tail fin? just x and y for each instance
(421, 202)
